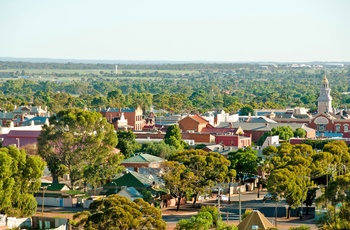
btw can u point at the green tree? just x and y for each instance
(245, 162)
(290, 172)
(19, 179)
(81, 142)
(178, 179)
(208, 168)
(299, 132)
(116, 99)
(244, 111)
(283, 132)
(127, 143)
(173, 137)
(118, 212)
(159, 149)
(207, 218)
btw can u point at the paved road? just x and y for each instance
(230, 212)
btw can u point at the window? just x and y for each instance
(321, 127)
(337, 128)
(346, 128)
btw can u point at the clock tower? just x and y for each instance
(325, 99)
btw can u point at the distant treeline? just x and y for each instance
(70, 65)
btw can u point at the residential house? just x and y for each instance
(193, 123)
(130, 179)
(142, 160)
(56, 195)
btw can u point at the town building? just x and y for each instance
(134, 117)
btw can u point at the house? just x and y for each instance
(142, 160)
(130, 192)
(56, 195)
(193, 123)
(131, 179)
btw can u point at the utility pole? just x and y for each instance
(239, 204)
(219, 215)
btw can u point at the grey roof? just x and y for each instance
(256, 119)
(263, 126)
(6, 115)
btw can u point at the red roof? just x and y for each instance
(199, 119)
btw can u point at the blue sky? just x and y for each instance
(181, 30)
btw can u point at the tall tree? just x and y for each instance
(81, 142)
(245, 162)
(208, 168)
(178, 179)
(173, 137)
(19, 179)
(127, 142)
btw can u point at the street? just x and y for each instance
(230, 212)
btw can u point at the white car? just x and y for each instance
(223, 198)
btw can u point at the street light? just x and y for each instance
(116, 186)
(44, 188)
(17, 139)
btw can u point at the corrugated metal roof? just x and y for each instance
(143, 158)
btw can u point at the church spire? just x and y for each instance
(325, 99)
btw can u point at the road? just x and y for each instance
(230, 212)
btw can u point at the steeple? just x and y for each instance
(325, 99)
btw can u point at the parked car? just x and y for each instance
(268, 196)
(222, 198)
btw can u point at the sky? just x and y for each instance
(181, 30)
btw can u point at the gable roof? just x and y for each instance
(54, 187)
(130, 179)
(198, 118)
(143, 158)
(255, 218)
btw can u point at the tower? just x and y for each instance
(325, 99)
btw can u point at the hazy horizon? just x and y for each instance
(183, 31)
